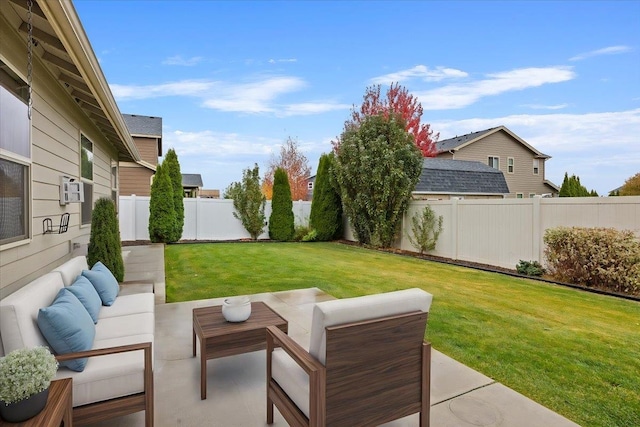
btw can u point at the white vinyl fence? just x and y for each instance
(501, 232)
(204, 219)
(497, 232)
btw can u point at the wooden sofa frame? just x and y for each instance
(104, 410)
(358, 386)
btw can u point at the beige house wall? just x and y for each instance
(57, 123)
(148, 148)
(502, 145)
(135, 179)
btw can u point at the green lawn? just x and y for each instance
(574, 352)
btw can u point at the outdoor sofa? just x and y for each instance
(118, 376)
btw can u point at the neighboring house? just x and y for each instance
(74, 139)
(191, 184)
(210, 194)
(135, 177)
(523, 166)
(443, 179)
(311, 181)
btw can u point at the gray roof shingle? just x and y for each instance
(451, 143)
(143, 125)
(192, 180)
(459, 177)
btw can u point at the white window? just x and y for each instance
(532, 195)
(494, 162)
(310, 185)
(536, 166)
(510, 164)
(519, 196)
(86, 174)
(15, 157)
(114, 183)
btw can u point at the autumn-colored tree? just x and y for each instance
(295, 165)
(399, 102)
(631, 186)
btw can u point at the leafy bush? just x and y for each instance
(104, 241)
(249, 202)
(598, 257)
(326, 207)
(426, 230)
(281, 219)
(530, 268)
(311, 236)
(162, 213)
(25, 372)
(304, 233)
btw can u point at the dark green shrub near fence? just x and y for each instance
(530, 268)
(603, 258)
(104, 241)
(281, 220)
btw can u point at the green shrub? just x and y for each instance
(300, 232)
(326, 207)
(426, 229)
(597, 257)
(311, 236)
(281, 219)
(530, 268)
(249, 202)
(162, 213)
(104, 241)
(172, 165)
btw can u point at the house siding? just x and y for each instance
(503, 146)
(57, 123)
(135, 179)
(148, 148)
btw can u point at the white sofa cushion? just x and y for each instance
(337, 312)
(19, 312)
(129, 304)
(106, 377)
(123, 326)
(71, 269)
(292, 378)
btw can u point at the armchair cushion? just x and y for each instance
(291, 378)
(88, 296)
(104, 282)
(337, 312)
(67, 327)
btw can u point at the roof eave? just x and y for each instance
(64, 19)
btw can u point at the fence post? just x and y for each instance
(134, 217)
(454, 228)
(536, 229)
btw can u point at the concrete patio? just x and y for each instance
(236, 385)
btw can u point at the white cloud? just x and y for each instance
(180, 88)
(422, 72)
(185, 62)
(274, 61)
(546, 107)
(307, 108)
(253, 97)
(611, 50)
(218, 144)
(461, 95)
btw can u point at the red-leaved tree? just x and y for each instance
(398, 101)
(295, 164)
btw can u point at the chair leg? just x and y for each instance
(269, 411)
(425, 412)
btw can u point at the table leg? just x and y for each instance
(194, 343)
(203, 372)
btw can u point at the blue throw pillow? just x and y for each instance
(103, 280)
(88, 296)
(67, 327)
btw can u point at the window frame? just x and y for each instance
(511, 165)
(519, 195)
(88, 184)
(23, 159)
(114, 183)
(491, 160)
(536, 166)
(532, 195)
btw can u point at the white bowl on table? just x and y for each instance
(236, 309)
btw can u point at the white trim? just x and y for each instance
(512, 165)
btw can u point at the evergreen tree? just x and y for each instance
(173, 169)
(326, 207)
(104, 242)
(162, 214)
(571, 187)
(281, 221)
(249, 202)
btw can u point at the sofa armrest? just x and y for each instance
(146, 346)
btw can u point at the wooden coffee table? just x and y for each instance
(58, 410)
(219, 338)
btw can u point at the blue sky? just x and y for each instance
(233, 80)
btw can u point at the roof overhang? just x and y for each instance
(65, 50)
